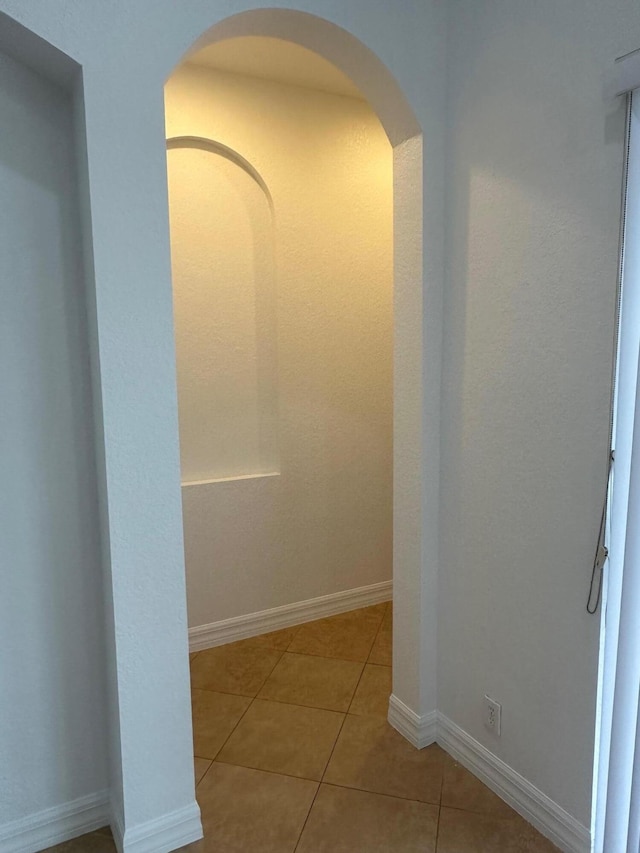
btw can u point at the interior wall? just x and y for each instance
(52, 736)
(323, 522)
(535, 154)
(126, 54)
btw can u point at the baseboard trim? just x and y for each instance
(167, 833)
(253, 624)
(419, 730)
(55, 825)
(537, 808)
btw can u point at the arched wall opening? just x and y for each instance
(415, 395)
(287, 461)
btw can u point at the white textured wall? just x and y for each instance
(325, 523)
(52, 735)
(534, 163)
(534, 174)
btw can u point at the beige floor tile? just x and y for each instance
(465, 832)
(235, 668)
(348, 821)
(248, 811)
(215, 716)
(348, 636)
(372, 756)
(283, 739)
(462, 790)
(273, 640)
(382, 649)
(372, 695)
(93, 842)
(313, 681)
(200, 767)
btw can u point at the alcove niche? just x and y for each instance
(224, 312)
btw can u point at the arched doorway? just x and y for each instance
(412, 707)
(416, 372)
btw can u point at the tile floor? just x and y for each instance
(293, 753)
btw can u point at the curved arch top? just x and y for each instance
(336, 45)
(205, 144)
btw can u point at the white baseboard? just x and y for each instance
(420, 731)
(537, 808)
(55, 825)
(253, 624)
(169, 832)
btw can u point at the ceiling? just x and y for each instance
(278, 60)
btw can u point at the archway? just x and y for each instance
(416, 371)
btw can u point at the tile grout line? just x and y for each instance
(255, 697)
(315, 796)
(334, 785)
(324, 772)
(489, 814)
(199, 782)
(319, 783)
(380, 794)
(246, 710)
(325, 657)
(377, 634)
(242, 716)
(364, 666)
(439, 807)
(309, 707)
(306, 819)
(299, 704)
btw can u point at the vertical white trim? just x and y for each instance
(621, 656)
(620, 803)
(418, 730)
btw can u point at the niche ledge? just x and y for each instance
(211, 481)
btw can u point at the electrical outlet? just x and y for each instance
(492, 715)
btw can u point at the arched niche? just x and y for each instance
(224, 281)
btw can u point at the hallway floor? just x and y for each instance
(293, 753)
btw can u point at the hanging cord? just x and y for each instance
(602, 552)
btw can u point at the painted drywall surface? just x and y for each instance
(533, 210)
(126, 165)
(126, 157)
(324, 524)
(52, 737)
(222, 255)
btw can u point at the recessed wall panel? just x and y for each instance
(52, 738)
(224, 291)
